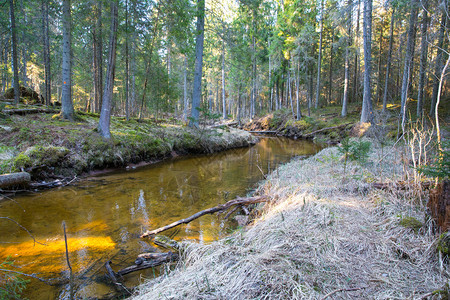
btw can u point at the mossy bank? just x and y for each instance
(47, 147)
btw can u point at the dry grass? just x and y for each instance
(325, 231)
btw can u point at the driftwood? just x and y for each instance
(325, 129)
(27, 111)
(20, 178)
(163, 258)
(263, 131)
(237, 201)
(401, 185)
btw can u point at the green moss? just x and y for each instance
(21, 161)
(410, 222)
(443, 244)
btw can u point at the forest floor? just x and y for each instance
(328, 233)
(51, 149)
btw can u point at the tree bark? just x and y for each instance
(297, 83)
(380, 55)
(127, 104)
(66, 93)
(197, 91)
(319, 59)
(224, 104)
(347, 60)
(330, 74)
(14, 53)
(408, 62)
(356, 70)
(185, 100)
(389, 60)
(438, 64)
(98, 56)
(366, 113)
(105, 114)
(46, 52)
(13, 179)
(423, 59)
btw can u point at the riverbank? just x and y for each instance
(51, 149)
(328, 232)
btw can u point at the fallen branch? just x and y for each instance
(401, 185)
(262, 131)
(341, 290)
(166, 257)
(223, 124)
(237, 201)
(327, 128)
(27, 111)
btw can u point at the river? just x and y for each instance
(104, 215)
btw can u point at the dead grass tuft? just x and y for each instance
(327, 232)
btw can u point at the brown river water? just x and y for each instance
(104, 215)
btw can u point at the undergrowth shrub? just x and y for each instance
(354, 150)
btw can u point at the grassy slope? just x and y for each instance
(48, 147)
(326, 231)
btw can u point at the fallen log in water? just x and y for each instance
(159, 260)
(237, 201)
(13, 179)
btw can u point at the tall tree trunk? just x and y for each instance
(356, 70)
(24, 46)
(127, 104)
(389, 60)
(330, 74)
(408, 61)
(66, 93)
(253, 94)
(149, 62)
(347, 59)
(319, 59)
(46, 52)
(105, 114)
(380, 55)
(270, 78)
(289, 91)
(297, 83)
(185, 100)
(14, 53)
(197, 90)
(438, 64)
(98, 56)
(224, 104)
(366, 113)
(423, 59)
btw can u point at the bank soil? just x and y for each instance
(327, 233)
(50, 149)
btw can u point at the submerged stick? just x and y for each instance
(68, 262)
(237, 201)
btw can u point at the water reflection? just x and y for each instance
(105, 215)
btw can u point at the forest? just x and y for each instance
(235, 149)
(253, 57)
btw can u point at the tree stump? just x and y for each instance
(439, 204)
